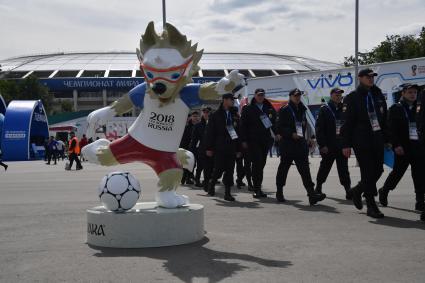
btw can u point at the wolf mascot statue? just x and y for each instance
(168, 62)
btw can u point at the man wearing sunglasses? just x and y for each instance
(365, 130)
(257, 122)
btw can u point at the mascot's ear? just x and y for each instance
(175, 37)
(149, 38)
(139, 55)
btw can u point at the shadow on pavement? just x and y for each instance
(191, 261)
(404, 209)
(341, 201)
(308, 207)
(251, 204)
(400, 223)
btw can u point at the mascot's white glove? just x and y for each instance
(235, 77)
(99, 118)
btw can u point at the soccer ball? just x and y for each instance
(119, 191)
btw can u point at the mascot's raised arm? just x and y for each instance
(168, 62)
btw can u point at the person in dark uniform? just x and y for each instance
(197, 145)
(290, 131)
(365, 130)
(408, 150)
(257, 122)
(223, 145)
(328, 129)
(241, 170)
(192, 119)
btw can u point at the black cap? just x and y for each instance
(260, 90)
(336, 90)
(409, 85)
(367, 72)
(227, 95)
(295, 91)
(206, 109)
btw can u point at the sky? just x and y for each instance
(321, 29)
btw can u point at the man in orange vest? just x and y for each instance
(73, 152)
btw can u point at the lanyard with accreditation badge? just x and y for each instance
(413, 132)
(373, 118)
(229, 126)
(298, 124)
(338, 122)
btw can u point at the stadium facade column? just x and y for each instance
(75, 97)
(105, 101)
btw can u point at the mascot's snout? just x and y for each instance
(159, 88)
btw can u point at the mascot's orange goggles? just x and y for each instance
(172, 75)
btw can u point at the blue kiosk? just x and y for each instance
(25, 128)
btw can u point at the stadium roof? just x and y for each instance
(106, 63)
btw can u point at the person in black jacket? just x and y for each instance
(328, 128)
(223, 144)
(290, 131)
(365, 130)
(404, 138)
(192, 120)
(257, 122)
(197, 146)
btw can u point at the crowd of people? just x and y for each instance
(56, 149)
(231, 137)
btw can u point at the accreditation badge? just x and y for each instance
(413, 131)
(232, 132)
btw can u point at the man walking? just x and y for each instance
(73, 151)
(290, 131)
(257, 121)
(364, 129)
(328, 130)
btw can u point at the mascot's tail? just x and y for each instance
(90, 150)
(186, 158)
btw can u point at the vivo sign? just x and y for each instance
(330, 81)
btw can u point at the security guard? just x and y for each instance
(404, 137)
(257, 122)
(223, 145)
(73, 152)
(290, 131)
(364, 129)
(328, 128)
(197, 145)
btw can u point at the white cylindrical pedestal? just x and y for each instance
(145, 225)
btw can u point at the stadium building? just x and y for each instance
(93, 80)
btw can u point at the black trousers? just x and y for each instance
(240, 168)
(258, 157)
(74, 157)
(208, 165)
(51, 154)
(223, 163)
(401, 163)
(301, 162)
(371, 163)
(341, 165)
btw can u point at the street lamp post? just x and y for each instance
(164, 18)
(356, 51)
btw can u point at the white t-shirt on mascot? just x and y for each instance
(162, 128)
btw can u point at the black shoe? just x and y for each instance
(348, 195)
(211, 193)
(48, 163)
(372, 209)
(257, 195)
(229, 198)
(198, 184)
(280, 197)
(5, 167)
(357, 197)
(189, 182)
(211, 189)
(420, 206)
(318, 189)
(423, 216)
(383, 196)
(79, 168)
(240, 184)
(315, 198)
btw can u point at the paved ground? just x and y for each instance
(43, 234)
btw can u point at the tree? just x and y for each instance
(66, 106)
(26, 89)
(394, 47)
